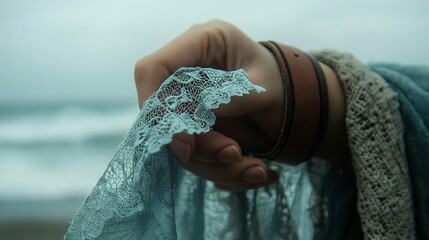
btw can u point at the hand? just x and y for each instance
(248, 123)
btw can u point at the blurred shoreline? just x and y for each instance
(37, 219)
(39, 209)
(27, 230)
(51, 156)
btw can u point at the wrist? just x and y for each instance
(314, 115)
(305, 105)
(334, 147)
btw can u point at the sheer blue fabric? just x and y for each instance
(144, 194)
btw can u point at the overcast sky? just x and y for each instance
(86, 49)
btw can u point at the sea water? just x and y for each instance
(54, 153)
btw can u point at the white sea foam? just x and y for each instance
(66, 125)
(33, 165)
(26, 176)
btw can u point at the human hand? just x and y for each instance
(247, 124)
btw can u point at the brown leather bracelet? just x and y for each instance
(289, 106)
(305, 116)
(324, 104)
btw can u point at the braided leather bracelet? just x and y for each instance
(306, 105)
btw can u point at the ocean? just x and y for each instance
(52, 154)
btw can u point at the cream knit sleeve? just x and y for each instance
(374, 131)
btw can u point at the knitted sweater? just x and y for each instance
(375, 136)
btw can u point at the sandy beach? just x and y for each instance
(36, 219)
(33, 230)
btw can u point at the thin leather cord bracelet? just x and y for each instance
(324, 104)
(289, 105)
(305, 116)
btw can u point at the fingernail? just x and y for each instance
(229, 154)
(254, 175)
(181, 149)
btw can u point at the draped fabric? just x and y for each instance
(375, 136)
(411, 83)
(144, 194)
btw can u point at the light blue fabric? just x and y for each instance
(338, 189)
(411, 83)
(145, 195)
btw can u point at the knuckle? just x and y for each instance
(217, 22)
(139, 67)
(209, 24)
(143, 67)
(213, 28)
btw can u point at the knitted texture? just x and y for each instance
(375, 130)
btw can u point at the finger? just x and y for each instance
(245, 131)
(250, 170)
(272, 178)
(216, 148)
(209, 147)
(183, 146)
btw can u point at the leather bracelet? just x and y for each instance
(306, 105)
(324, 104)
(289, 106)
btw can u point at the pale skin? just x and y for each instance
(248, 123)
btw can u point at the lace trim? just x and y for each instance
(182, 104)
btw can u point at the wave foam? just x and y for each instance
(66, 125)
